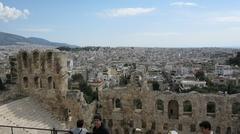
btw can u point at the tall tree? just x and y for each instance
(200, 75)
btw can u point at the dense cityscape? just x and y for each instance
(93, 75)
(120, 67)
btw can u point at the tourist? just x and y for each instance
(79, 129)
(205, 127)
(98, 125)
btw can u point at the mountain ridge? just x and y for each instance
(7, 39)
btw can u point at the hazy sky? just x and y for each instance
(158, 23)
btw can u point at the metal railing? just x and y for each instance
(52, 131)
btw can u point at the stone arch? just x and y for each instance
(25, 59)
(49, 57)
(160, 105)
(153, 127)
(236, 108)
(218, 130)
(229, 130)
(25, 82)
(43, 64)
(144, 124)
(173, 109)
(54, 85)
(118, 103)
(41, 86)
(36, 58)
(57, 66)
(36, 82)
(211, 107)
(50, 82)
(137, 103)
(187, 106)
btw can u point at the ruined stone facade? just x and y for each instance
(42, 70)
(156, 112)
(43, 75)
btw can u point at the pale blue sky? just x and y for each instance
(144, 23)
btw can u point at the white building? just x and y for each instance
(223, 70)
(187, 84)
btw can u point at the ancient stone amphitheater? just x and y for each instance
(43, 77)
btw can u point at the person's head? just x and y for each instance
(205, 127)
(80, 123)
(97, 120)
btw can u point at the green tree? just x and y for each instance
(77, 77)
(234, 60)
(200, 75)
(88, 94)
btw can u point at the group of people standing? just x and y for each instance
(98, 128)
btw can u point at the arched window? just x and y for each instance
(173, 109)
(50, 82)
(36, 82)
(118, 103)
(229, 131)
(36, 58)
(159, 105)
(137, 104)
(236, 108)
(49, 57)
(153, 127)
(42, 64)
(25, 82)
(144, 124)
(41, 86)
(24, 58)
(187, 106)
(54, 85)
(57, 67)
(218, 130)
(211, 107)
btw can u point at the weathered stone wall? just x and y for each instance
(123, 120)
(43, 75)
(81, 111)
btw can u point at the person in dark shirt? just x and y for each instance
(98, 126)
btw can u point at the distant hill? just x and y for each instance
(12, 39)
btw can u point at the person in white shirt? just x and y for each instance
(205, 127)
(79, 129)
